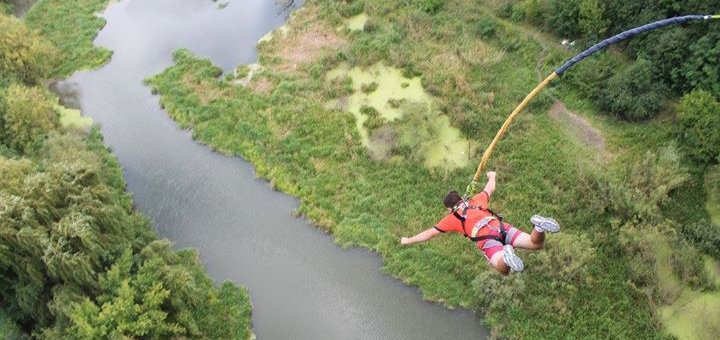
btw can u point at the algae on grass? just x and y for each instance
(284, 29)
(73, 117)
(357, 23)
(695, 315)
(391, 98)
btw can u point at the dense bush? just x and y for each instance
(29, 115)
(699, 127)
(685, 57)
(590, 78)
(22, 53)
(535, 11)
(76, 261)
(564, 17)
(487, 26)
(633, 94)
(639, 190)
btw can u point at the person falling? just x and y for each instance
(481, 225)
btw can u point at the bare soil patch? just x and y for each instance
(308, 45)
(578, 126)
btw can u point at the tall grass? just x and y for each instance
(72, 27)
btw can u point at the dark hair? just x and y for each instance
(452, 199)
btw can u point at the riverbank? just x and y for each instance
(290, 122)
(77, 259)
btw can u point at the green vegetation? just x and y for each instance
(72, 117)
(23, 55)
(633, 227)
(357, 22)
(76, 261)
(694, 314)
(712, 185)
(632, 94)
(315, 151)
(29, 115)
(71, 26)
(699, 131)
(679, 58)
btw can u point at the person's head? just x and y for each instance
(452, 199)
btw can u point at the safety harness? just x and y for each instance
(485, 222)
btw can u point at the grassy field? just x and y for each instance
(476, 68)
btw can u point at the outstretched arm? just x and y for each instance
(490, 186)
(421, 237)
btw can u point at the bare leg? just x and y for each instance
(533, 241)
(499, 264)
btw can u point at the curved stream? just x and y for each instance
(302, 285)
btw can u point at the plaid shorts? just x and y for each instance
(490, 247)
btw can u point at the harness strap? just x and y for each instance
(482, 223)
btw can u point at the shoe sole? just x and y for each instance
(545, 223)
(513, 261)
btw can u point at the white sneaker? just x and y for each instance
(513, 261)
(545, 223)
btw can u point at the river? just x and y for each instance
(302, 285)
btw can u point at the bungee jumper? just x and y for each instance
(476, 221)
(496, 238)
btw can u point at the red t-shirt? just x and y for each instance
(453, 224)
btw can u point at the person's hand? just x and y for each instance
(404, 241)
(491, 174)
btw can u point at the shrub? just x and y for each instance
(486, 27)
(592, 75)
(567, 256)
(668, 51)
(564, 17)
(699, 127)
(429, 6)
(517, 13)
(702, 69)
(591, 20)
(661, 263)
(704, 235)
(23, 54)
(505, 11)
(633, 94)
(29, 116)
(638, 192)
(535, 11)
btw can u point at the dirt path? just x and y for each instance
(578, 127)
